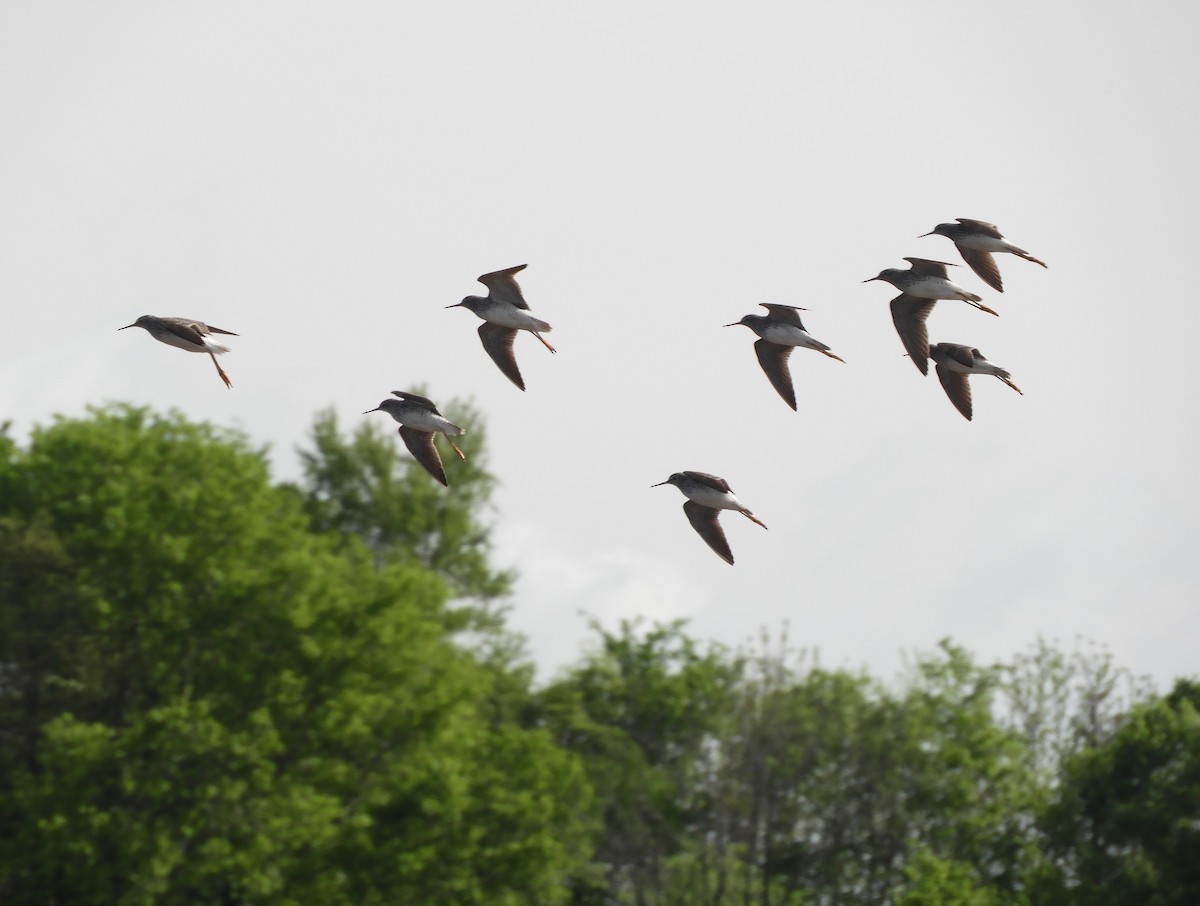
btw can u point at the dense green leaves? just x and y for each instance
(205, 700)
(218, 689)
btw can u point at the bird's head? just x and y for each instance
(887, 275)
(144, 321)
(675, 478)
(942, 229)
(388, 406)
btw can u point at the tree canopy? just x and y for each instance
(218, 688)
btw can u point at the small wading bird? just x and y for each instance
(781, 332)
(184, 333)
(419, 421)
(955, 363)
(504, 312)
(707, 496)
(921, 286)
(977, 241)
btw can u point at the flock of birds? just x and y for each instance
(504, 312)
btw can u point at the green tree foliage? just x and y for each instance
(361, 487)
(202, 700)
(642, 711)
(1126, 825)
(216, 689)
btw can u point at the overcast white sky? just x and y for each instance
(323, 178)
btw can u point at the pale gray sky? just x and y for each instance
(323, 178)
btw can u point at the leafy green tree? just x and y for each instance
(1126, 823)
(365, 487)
(641, 711)
(205, 701)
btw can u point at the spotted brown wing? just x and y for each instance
(704, 521)
(774, 360)
(930, 268)
(498, 341)
(958, 388)
(418, 400)
(981, 226)
(713, 481)
(503, 286)
(984, 264)
(785, 314)
(909, 314)
(966, 356)
(420, 445)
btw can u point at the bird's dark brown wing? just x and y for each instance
(964, 355)
(186, 329)
(984, 265)
(982, 226)
(958, 388)
(228, 333)
(420, 445)
(419, 400)
(774, 360)
(713, 481)
(786, 314)
(704, 521)
(909, 314)
(498, 341)
(502, 285)
(929, 267)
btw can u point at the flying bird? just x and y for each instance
(921, 286)
(185, 333)
(504, 312)
(419, 421)
(955, 363)
(977, 241)
(781, 331)
(707, 496)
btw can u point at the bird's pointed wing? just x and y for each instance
(958, 388)
(186, 329)
(774, 360)
(787, 314)
(228, 333)
(498, 341)
(966, 356)
(929, 267)
(420, 445)
(713, 481)
(988, 229)
(909, 314)
(704, 521)
(419, 400)
(502, 285)
(982, 263)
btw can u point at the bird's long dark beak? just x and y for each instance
(455, 305)
(660, 484)
(923, 235)
(869, 279)
(369, 411)
(126, 327)
(734, 324)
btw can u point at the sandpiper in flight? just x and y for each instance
(977, 241)
(419, 420)
(707, 496)
(184, 333)
(781, 332)
(504, 312)
(921, 286)
(955, 363)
